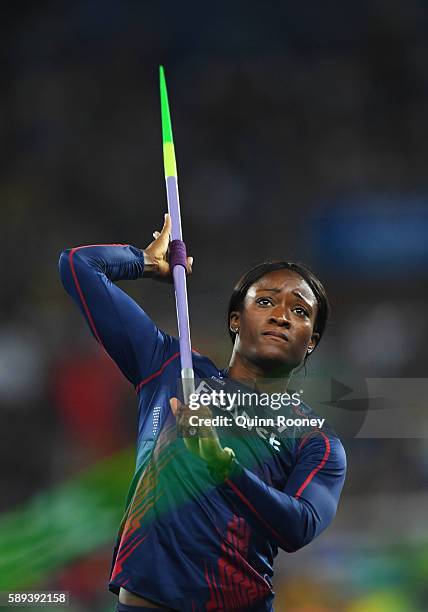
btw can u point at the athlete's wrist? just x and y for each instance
(151, 266)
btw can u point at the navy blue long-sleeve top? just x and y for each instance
(187, 541)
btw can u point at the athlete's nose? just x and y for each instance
(279, 316)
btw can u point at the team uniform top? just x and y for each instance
(187, 541)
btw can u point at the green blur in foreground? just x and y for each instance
(77, 518)
(61, 525)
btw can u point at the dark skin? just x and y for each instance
(274, 328)
(274, 333)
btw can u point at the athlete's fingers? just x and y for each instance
(182, 415)
(162, 237)
(205, 415)
(166, 229)
(175, 405)
(162, 243)
(189, 434)
(210, 448)
(159, 247)
(202, 440)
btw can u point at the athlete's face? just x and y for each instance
(276, 322)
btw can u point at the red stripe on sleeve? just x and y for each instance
(79, 289)
(319, 466)
(161, 369)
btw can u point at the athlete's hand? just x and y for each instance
(156, 263)
(202, 440)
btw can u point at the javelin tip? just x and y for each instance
(166, 117)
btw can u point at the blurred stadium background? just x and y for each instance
(301, 132)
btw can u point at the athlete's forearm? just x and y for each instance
(294, 517)
(280, 517)
(116, 261)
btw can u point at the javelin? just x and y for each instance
(177, 257)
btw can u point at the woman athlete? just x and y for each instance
(206, 512)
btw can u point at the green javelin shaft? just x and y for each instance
(179, 270)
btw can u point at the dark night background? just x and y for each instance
(301, 132)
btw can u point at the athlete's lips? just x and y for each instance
(276, 334)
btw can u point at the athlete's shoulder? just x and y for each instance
(204, 366)
(323, 436)
(167, 356)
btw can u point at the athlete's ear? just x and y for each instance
(234, 321)
(314, 341)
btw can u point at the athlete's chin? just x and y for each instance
(271, 359)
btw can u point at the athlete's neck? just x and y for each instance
(271, 381)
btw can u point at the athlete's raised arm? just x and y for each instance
(128, 334)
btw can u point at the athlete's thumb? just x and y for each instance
(175, 405)
(166, 224)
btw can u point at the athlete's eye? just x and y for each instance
(301, 311)
(263, 300)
